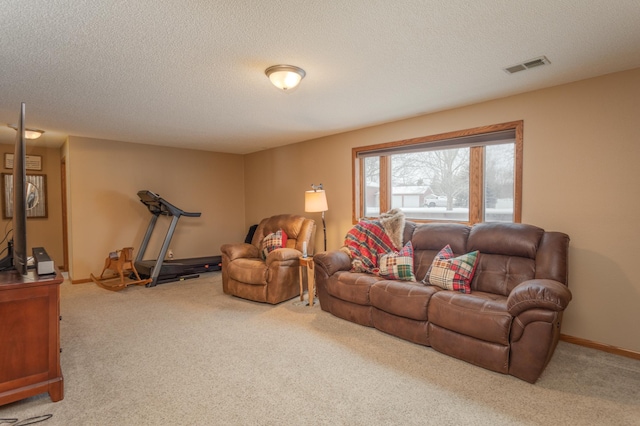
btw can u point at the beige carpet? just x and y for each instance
(186, 354)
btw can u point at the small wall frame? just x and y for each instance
(36, 198)
(33, 162)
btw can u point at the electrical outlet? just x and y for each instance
(170, 254)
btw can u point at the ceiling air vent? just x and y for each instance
(531, 63)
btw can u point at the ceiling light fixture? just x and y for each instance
(28, 133)
(285, 77)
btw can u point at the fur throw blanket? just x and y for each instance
(369, 239)
(393, 224)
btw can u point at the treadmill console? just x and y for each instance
(158, 205)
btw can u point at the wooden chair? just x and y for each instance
(120, 262)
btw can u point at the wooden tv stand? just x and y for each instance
(30, 336)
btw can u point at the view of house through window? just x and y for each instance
(469, 176)
(432, 184)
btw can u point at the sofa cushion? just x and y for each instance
(404, 299)
(248, 271)
(434, 236)
(429, 238)
(398, 265)
(450, 272)
(273, 241)
(510, 239)
(500, 274)
(351, 286)
(480, 315)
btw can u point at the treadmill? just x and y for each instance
(163, 271)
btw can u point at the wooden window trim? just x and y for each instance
(476, 169)
(476, 187)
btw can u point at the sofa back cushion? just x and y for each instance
(298, 229)
(429, 238)
(511, 239)
(510, 253)
(507, 255)
(499, 274)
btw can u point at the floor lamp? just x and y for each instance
(316, 201)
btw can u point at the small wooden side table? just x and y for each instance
(307, 263)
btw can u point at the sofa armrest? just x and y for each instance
(540, 294)
(240, 250)
(333, 261)
(282, 254)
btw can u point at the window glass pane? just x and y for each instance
(431, 184)
(372, 187)
(498, 183)
(440, 177)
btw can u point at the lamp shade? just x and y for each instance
(315, 201)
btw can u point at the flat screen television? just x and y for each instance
(16, 257)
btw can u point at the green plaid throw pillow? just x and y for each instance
(452, 273)
(398, 266)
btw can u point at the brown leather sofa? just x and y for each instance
(274, 279)
(509, 323)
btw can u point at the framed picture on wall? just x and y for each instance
(36, 195)
(34, 162)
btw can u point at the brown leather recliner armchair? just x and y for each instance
(273, 280)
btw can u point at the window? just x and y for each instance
(468, 176)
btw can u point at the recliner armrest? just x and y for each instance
(333, 261)
(240, 250)
(540, 294)
(282, 254)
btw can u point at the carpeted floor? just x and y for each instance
(186, 354)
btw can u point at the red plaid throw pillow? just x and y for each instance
(452, 273)
(399, 265)
(273, 241)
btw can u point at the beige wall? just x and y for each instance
(42, 232)
(105, 213)
(581, 176)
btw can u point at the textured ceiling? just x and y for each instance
(190, 73)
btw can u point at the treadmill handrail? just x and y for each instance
(158, 205)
